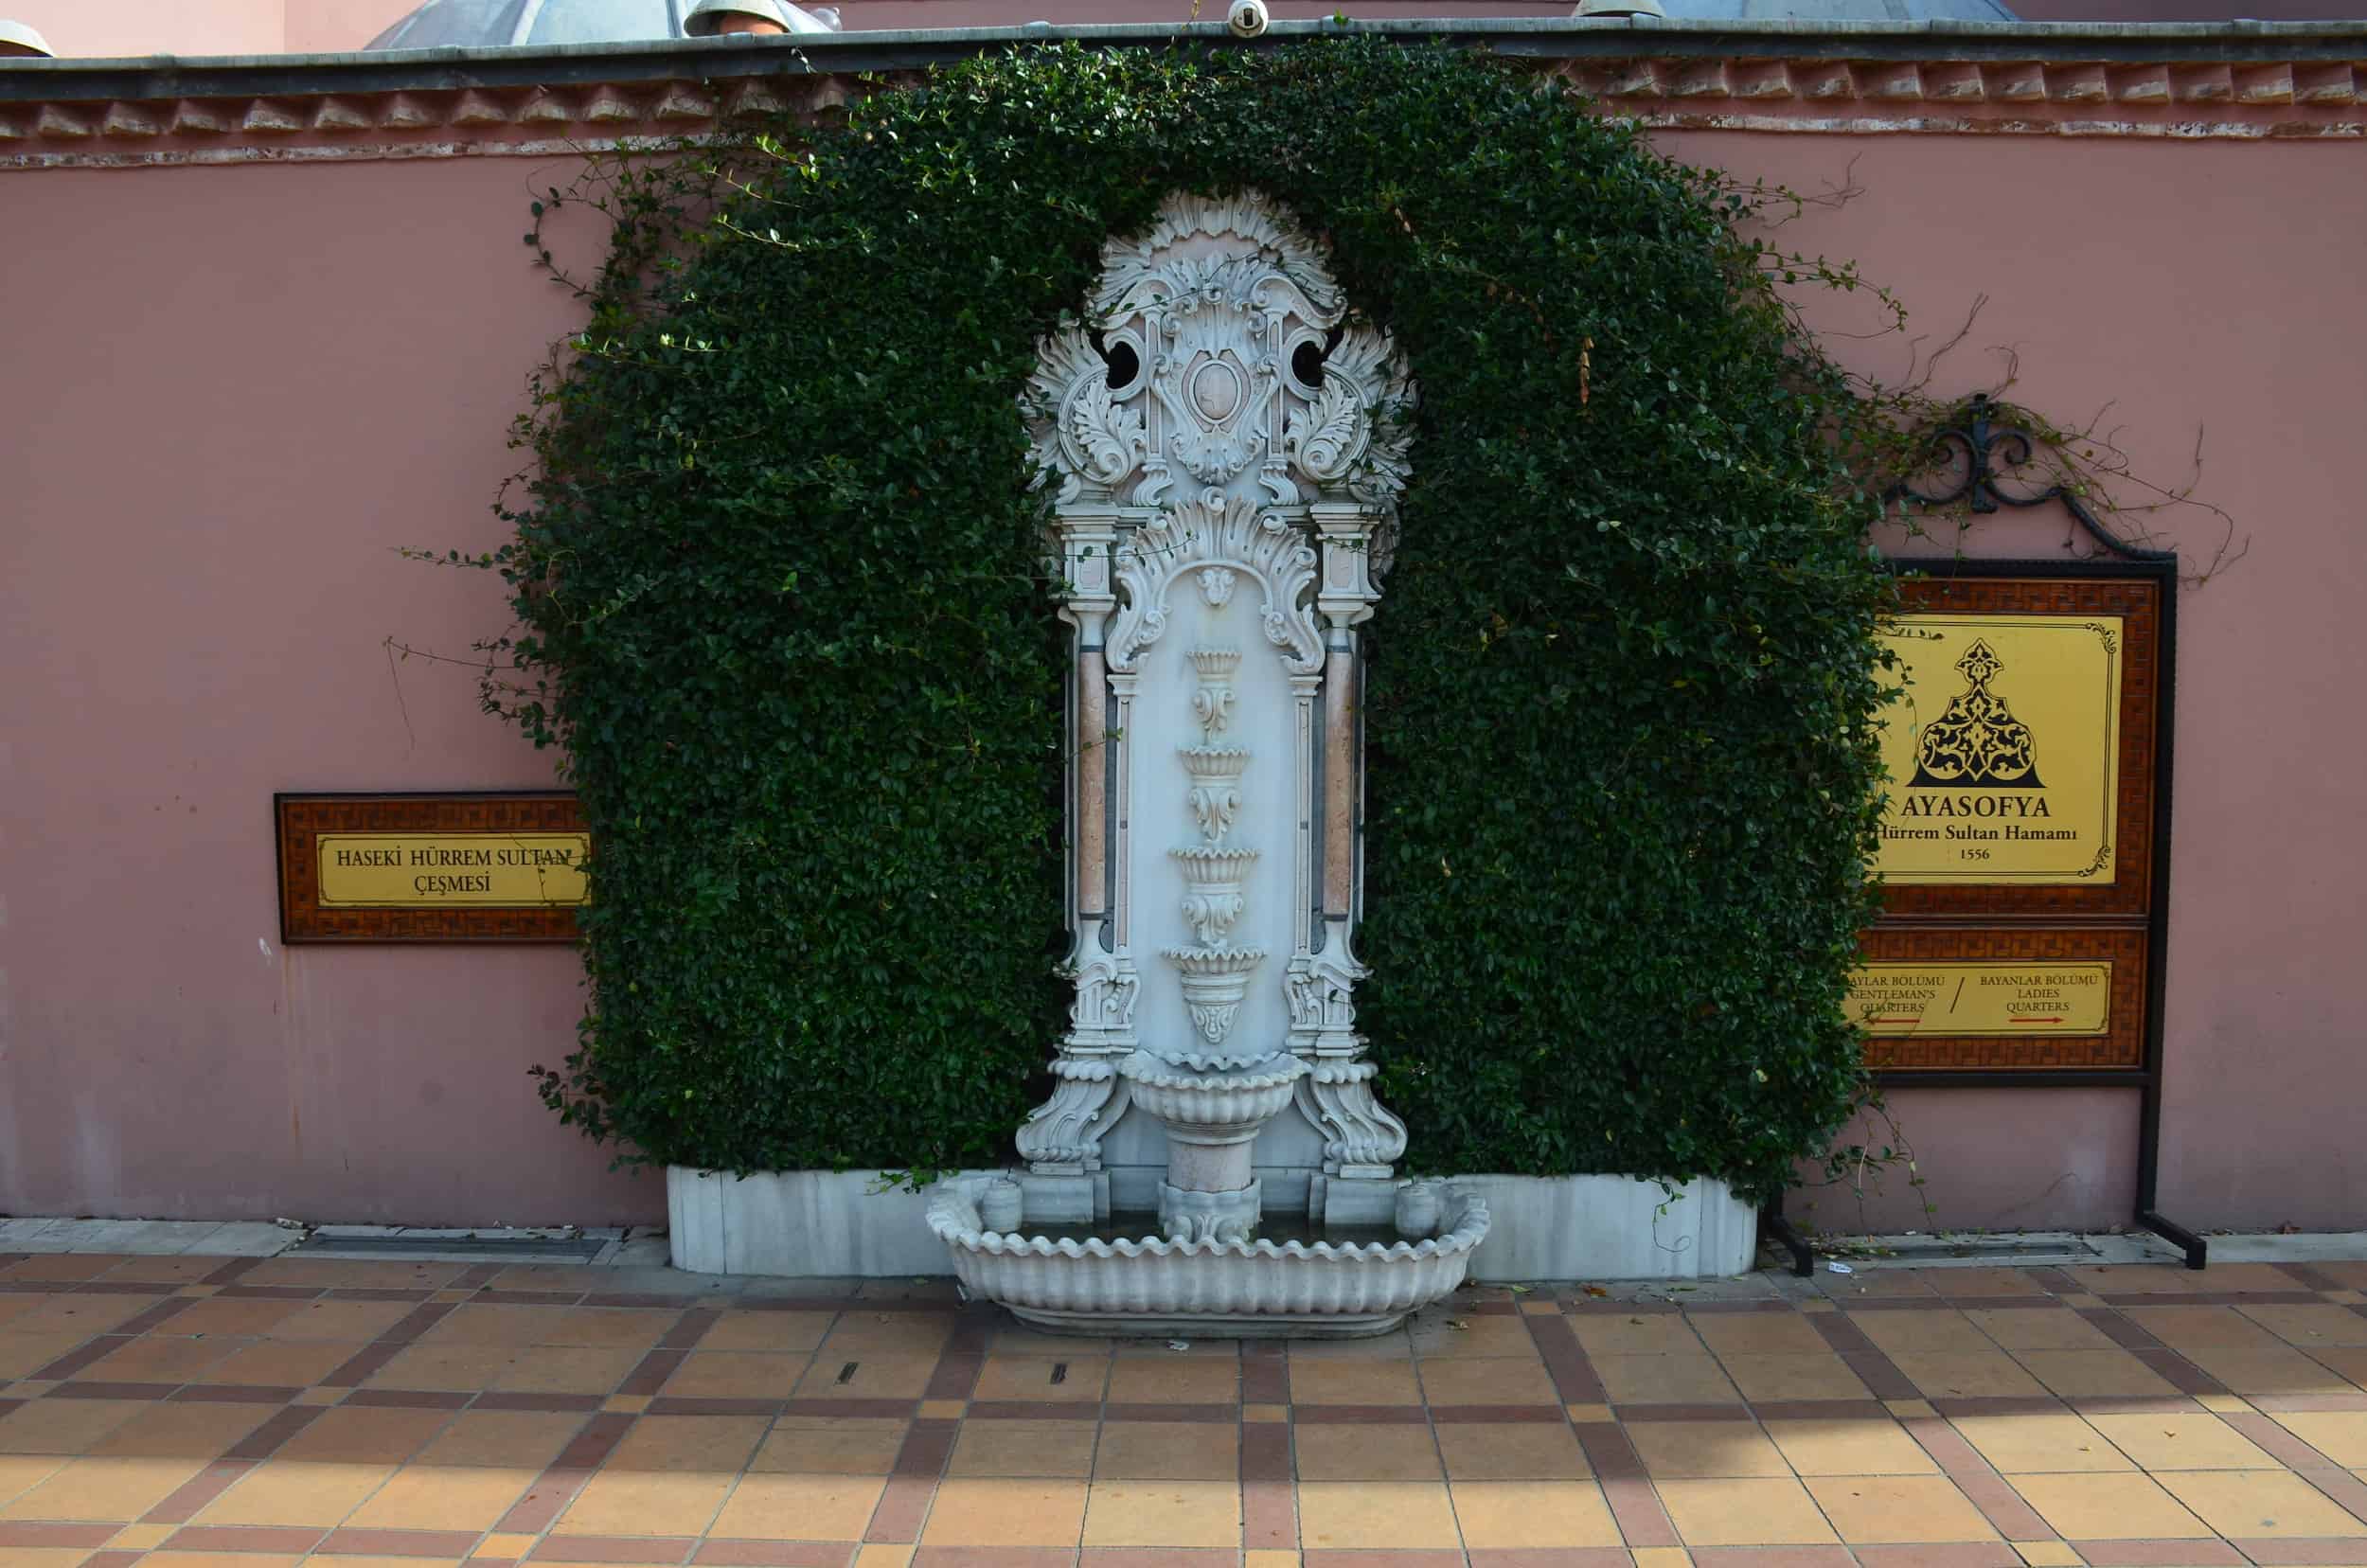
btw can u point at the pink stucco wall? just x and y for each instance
(243, 389)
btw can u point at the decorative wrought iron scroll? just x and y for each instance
(1983, 444)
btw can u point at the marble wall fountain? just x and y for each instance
(1227, 440)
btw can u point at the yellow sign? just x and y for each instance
(443, 870)
(2004, 750)
(1982, 998)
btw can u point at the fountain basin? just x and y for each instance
(1233, 1289)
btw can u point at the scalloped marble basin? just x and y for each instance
(1086, 1285)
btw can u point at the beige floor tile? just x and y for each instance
(776, 1331)
(2037, 1328)
(2182, 1439)
(182, 1559)
(1454, 1337)
(120, 1489)
(68, 1268)
(14, 1304)
(876, 1556)
(799, 1508)
(822, 1446)
(2351, 1365)
(1822, 1376)
(1354, 1382)
(2259, 1503)
(1181, 1379)
(1543, 1514)
(337, 1274)
(2107, 1507)
(614, 1329)
(689, 1444)
(1011, 1449)
(477, 1323)
(1730, 1335)
(1352, 1515)
(1643, 1334)
(736, 1375)
(237, 1317)
(1492, 1381)
(359, 1434)
(1960, 1283)
(888, 1333)
(2094, 1374)
(1059, 1379)
(2309, 1326)
(22, 1355)
(65, 1426)
(69, 1557)
(2041, 1443)
(1694, 1378)
(448, 1369)
(1685, 1450)
(290, 1491)
(1753, 1512)
(1171, 1451)
(2339, 1435)
(79, 1315)
(1345, 1452)
(1946, 1332)
(182, 1432)
(1005, 1512)
(1511, 1451)
(1204, 1514)
(565, 1369)
(158, 1361)
(1019, 1339)
(671, 1502)
(2185, 1329)
(500, 1439)
(2049, 1553)
(1984, 1374)
(21, 1472)
(341, 1320)
(1850, 1447)
(277, 1364)
(443, 1497)
(878, 1376)
(1904, 1509)
(2281, 1370)
(1397, 1345)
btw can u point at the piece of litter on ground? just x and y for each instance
(1178, 1344)
(1841, 1267)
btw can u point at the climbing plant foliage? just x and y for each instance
(781, 585)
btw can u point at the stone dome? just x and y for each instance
(489, 23)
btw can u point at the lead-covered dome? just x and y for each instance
(490, 23)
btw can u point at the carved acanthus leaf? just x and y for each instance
(1239, 535)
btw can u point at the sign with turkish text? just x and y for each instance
(430, 867)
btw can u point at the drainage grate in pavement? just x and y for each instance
(531, 1248)
(1983, 1249)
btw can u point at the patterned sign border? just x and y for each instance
(2120, 1048)
(300, 819)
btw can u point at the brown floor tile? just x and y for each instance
(689, 1444)
(290, 1492)
(1397, 1345)
(1178, 1380)
(2108, 1373)
(2187, 1328)
(1902, 1509)
(2038, 1328)
(180, 1431)
(443, 1497)
(886, 1333)
(1513, 1451)
(1819, 1376)
(235, 1317)
(1753, 1512)
(1859, 1447)
(1179, 1513)
(1685, 1450)
(736, 1375)
(65, 1426)
(1691, 1378)
(158, 1360)
(849, 1446)
(2265, 1504)
(1946, 1332)
(1731, 1335)
(1354, 1382)
(799, 1508)
(1014, 1449)
(330, 1273)
(565, 1369)
(1175, 1450)
(2107, 1507)
(775, 1331)
(876, 1376)
(1354, 1451)
(1644, 1334)
(2182, 1439)
(2041, 1443)
(1005, 1512)
(272, 1363)
(340, 1320)
(1496, 1380)
(1981, 1373)
(1542, 1515)
(641, 1502)
(1366, 1515)
(119, 1490)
